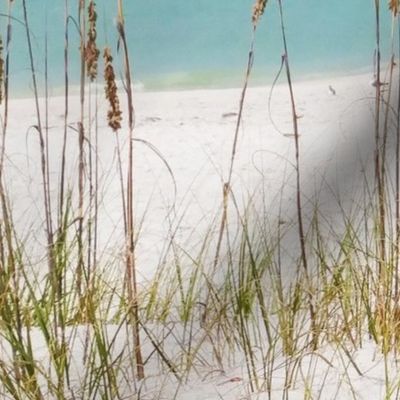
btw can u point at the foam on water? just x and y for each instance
(178, 44)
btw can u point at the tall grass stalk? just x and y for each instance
(5, 92)
(258, 11)
(66, 114)
(130, 240)
(302, 239)
(380, 185)
(81, 141)
(397, 174)
(43, 150)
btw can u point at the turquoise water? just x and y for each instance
(204, 43)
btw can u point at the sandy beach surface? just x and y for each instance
(193, 133)
(182, 157)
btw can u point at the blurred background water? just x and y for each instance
(177, 44)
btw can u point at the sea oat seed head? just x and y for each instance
(258, 10)
(394, 6)
(91, 51)
(114, 115)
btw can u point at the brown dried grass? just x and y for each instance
(258, 10)
(91, 51)
(114, 115)
(394, 6)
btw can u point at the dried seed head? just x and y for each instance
(91, 51)
(1, 70)
(114, 115)
(394, 6)
(258, 10)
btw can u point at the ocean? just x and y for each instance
(177, 44)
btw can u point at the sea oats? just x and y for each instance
(114, 115)
(91, 50)
(258, 10)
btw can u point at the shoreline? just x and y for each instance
(261, 79)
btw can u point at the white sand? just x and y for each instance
(194, 131)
